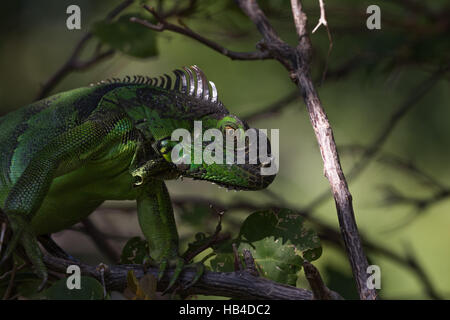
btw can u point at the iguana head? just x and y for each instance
(185, 121)
(199, 154)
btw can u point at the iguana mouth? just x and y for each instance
(236, 177)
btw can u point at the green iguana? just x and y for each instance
(63, 156)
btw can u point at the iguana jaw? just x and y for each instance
(238, 177)
(230, 176)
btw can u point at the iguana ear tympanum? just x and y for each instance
(63, 156)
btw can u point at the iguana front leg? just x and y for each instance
(27, 194)
(157, 222)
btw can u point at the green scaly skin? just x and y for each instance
(63, 156)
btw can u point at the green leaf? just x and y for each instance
(275, 260)
(128, 37)
(90, 289)
(286, 225)
(135, 251)
(278, 240)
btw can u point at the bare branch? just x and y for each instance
(215, 239)
(276, 107)
(333, 237)
(416, 94)
(296, 61)
(394, 197)
(163, 24)
(332, 167)
(318, 287)
(240, 285)
(371, 151)
(73, 63)
(397, 162)
(326, 232)
(323, 21)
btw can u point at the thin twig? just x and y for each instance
(297, 62)
(418, 93)
(236, 258)
(73, 63)
(372, 150)
(276, 107)
(394, 197)
(318, 287)
(397, 162)
(215, 239)
(11, 282)
(323, 21)
(163, 24)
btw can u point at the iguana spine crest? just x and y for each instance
(191, 81)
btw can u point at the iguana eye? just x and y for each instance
(229, 130)
(163, 146)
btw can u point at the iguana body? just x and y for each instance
(63, 156)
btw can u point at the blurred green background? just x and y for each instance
(390, 64)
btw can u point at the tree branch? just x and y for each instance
(276, 107)
(297, 61)
(163, 24)
(323, 21)
(73, 63)
(318, 287)
(239, 285)
(326, 233)
(372, 150)
(397, 162)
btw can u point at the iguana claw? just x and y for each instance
(200, 270)
(30, 244)
(180, 265)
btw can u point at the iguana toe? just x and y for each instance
(199, 271)
(179, 266)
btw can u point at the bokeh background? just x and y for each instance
(382, 70)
